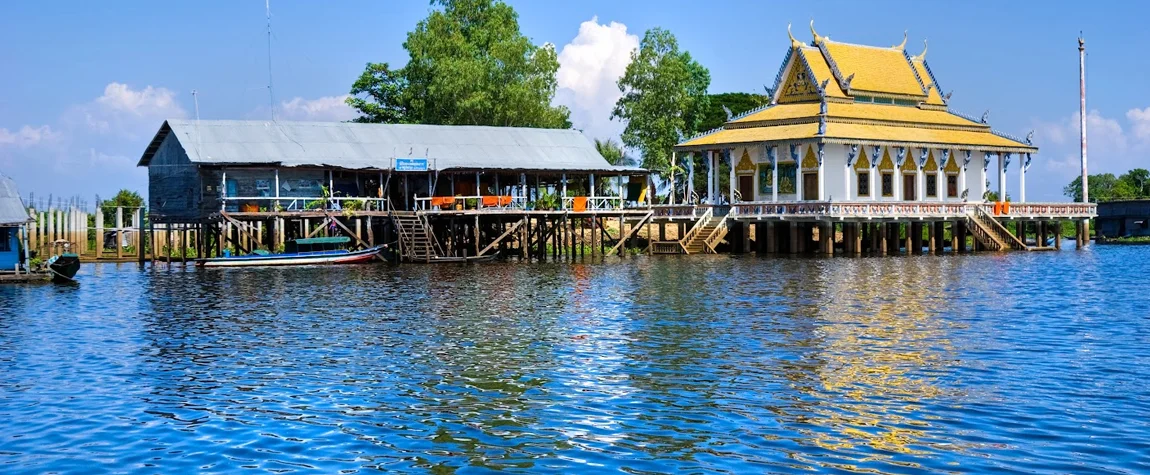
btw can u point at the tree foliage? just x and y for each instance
(378, 95)
(614, 153)
(469, 65)
(128, 199)
(1134, 184)
(738, 102)
(664, 98)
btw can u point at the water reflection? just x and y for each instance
(711, 364)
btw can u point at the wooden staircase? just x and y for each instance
(416, 243)
(711, 233)
(991, 233)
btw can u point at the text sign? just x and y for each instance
(411, 164)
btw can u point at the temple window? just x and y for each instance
(864, 183)
(931, 185)
(952, 186)
(888, 184)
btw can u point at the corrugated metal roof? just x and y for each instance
(373, 146)
(12, 211)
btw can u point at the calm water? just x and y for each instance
(1020, 363)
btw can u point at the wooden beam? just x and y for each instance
(623, 237)
(501, 237)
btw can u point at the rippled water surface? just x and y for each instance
(1019, 363)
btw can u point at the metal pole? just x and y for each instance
(1082, 129)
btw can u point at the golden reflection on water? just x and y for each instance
(882, 340)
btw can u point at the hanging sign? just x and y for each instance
(410, 164)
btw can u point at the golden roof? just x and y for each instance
(873, 96)
(877, 70)
(933, 95)
(860, 111)
(917, 136)
(755, 134)
(822, 71)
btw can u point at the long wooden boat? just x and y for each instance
(64, 267)
(297, 256)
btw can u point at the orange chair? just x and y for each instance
(579, 204)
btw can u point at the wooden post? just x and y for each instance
(141, 238)
(99, 231)
(119, 232)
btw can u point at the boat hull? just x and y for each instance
(304, 259)
(64, 267)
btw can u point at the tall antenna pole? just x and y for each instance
(271, 91)
(1082, 128)
(196, 100)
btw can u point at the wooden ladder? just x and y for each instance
(416, 242)
(991, 233)
(712, 232)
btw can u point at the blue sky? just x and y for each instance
(86, 84)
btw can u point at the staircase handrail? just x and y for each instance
(715, 234)
(699, 225)
(1004, 234)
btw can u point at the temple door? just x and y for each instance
(908, 187)
(747, 187)
(810, 186)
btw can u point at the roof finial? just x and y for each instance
(921, 56)
(794, 43)
(901, 46)
(818, 39)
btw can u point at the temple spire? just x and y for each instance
(794, 43)
(921, 56)
(818, 39)
(901, 46)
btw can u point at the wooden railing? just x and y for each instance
(717, 234)
(1002, 234)
(699, 225)
(902, 209)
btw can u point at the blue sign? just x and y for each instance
(410, 164)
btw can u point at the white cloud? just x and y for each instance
(589, 67)
(1140, 122)
(1112, 147)
(126, 112)
(28, 136)
(328, 108)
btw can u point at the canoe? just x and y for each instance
(64, 267)
(338, 256)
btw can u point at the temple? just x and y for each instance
(862, 136)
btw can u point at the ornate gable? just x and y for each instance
(952, 164)
(886, 164)
(931, 164)
(862, 164)
(799, 86)
(908, 165)
(810, 160)
(745, 165)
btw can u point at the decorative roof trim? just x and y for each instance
(704, 134)
(752, 111)
(855, 141)
(934, 80)
(782, 70)
(910, 63)
(901, 46)
(834, 68)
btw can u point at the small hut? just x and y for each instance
(13, 217)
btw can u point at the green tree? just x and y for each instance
(664, 98)
(470, 65)
(738, 102)
(378, 95)
(1138, 181)
(1101, 188)
(613, 152)
(126, 198)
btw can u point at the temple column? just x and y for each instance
(962, 175)
(671, 198)
(1003, 162)
(711, 176)
(731, 183)
(772, 154)
(1022, 167)
(982, 175)
(822, 194)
